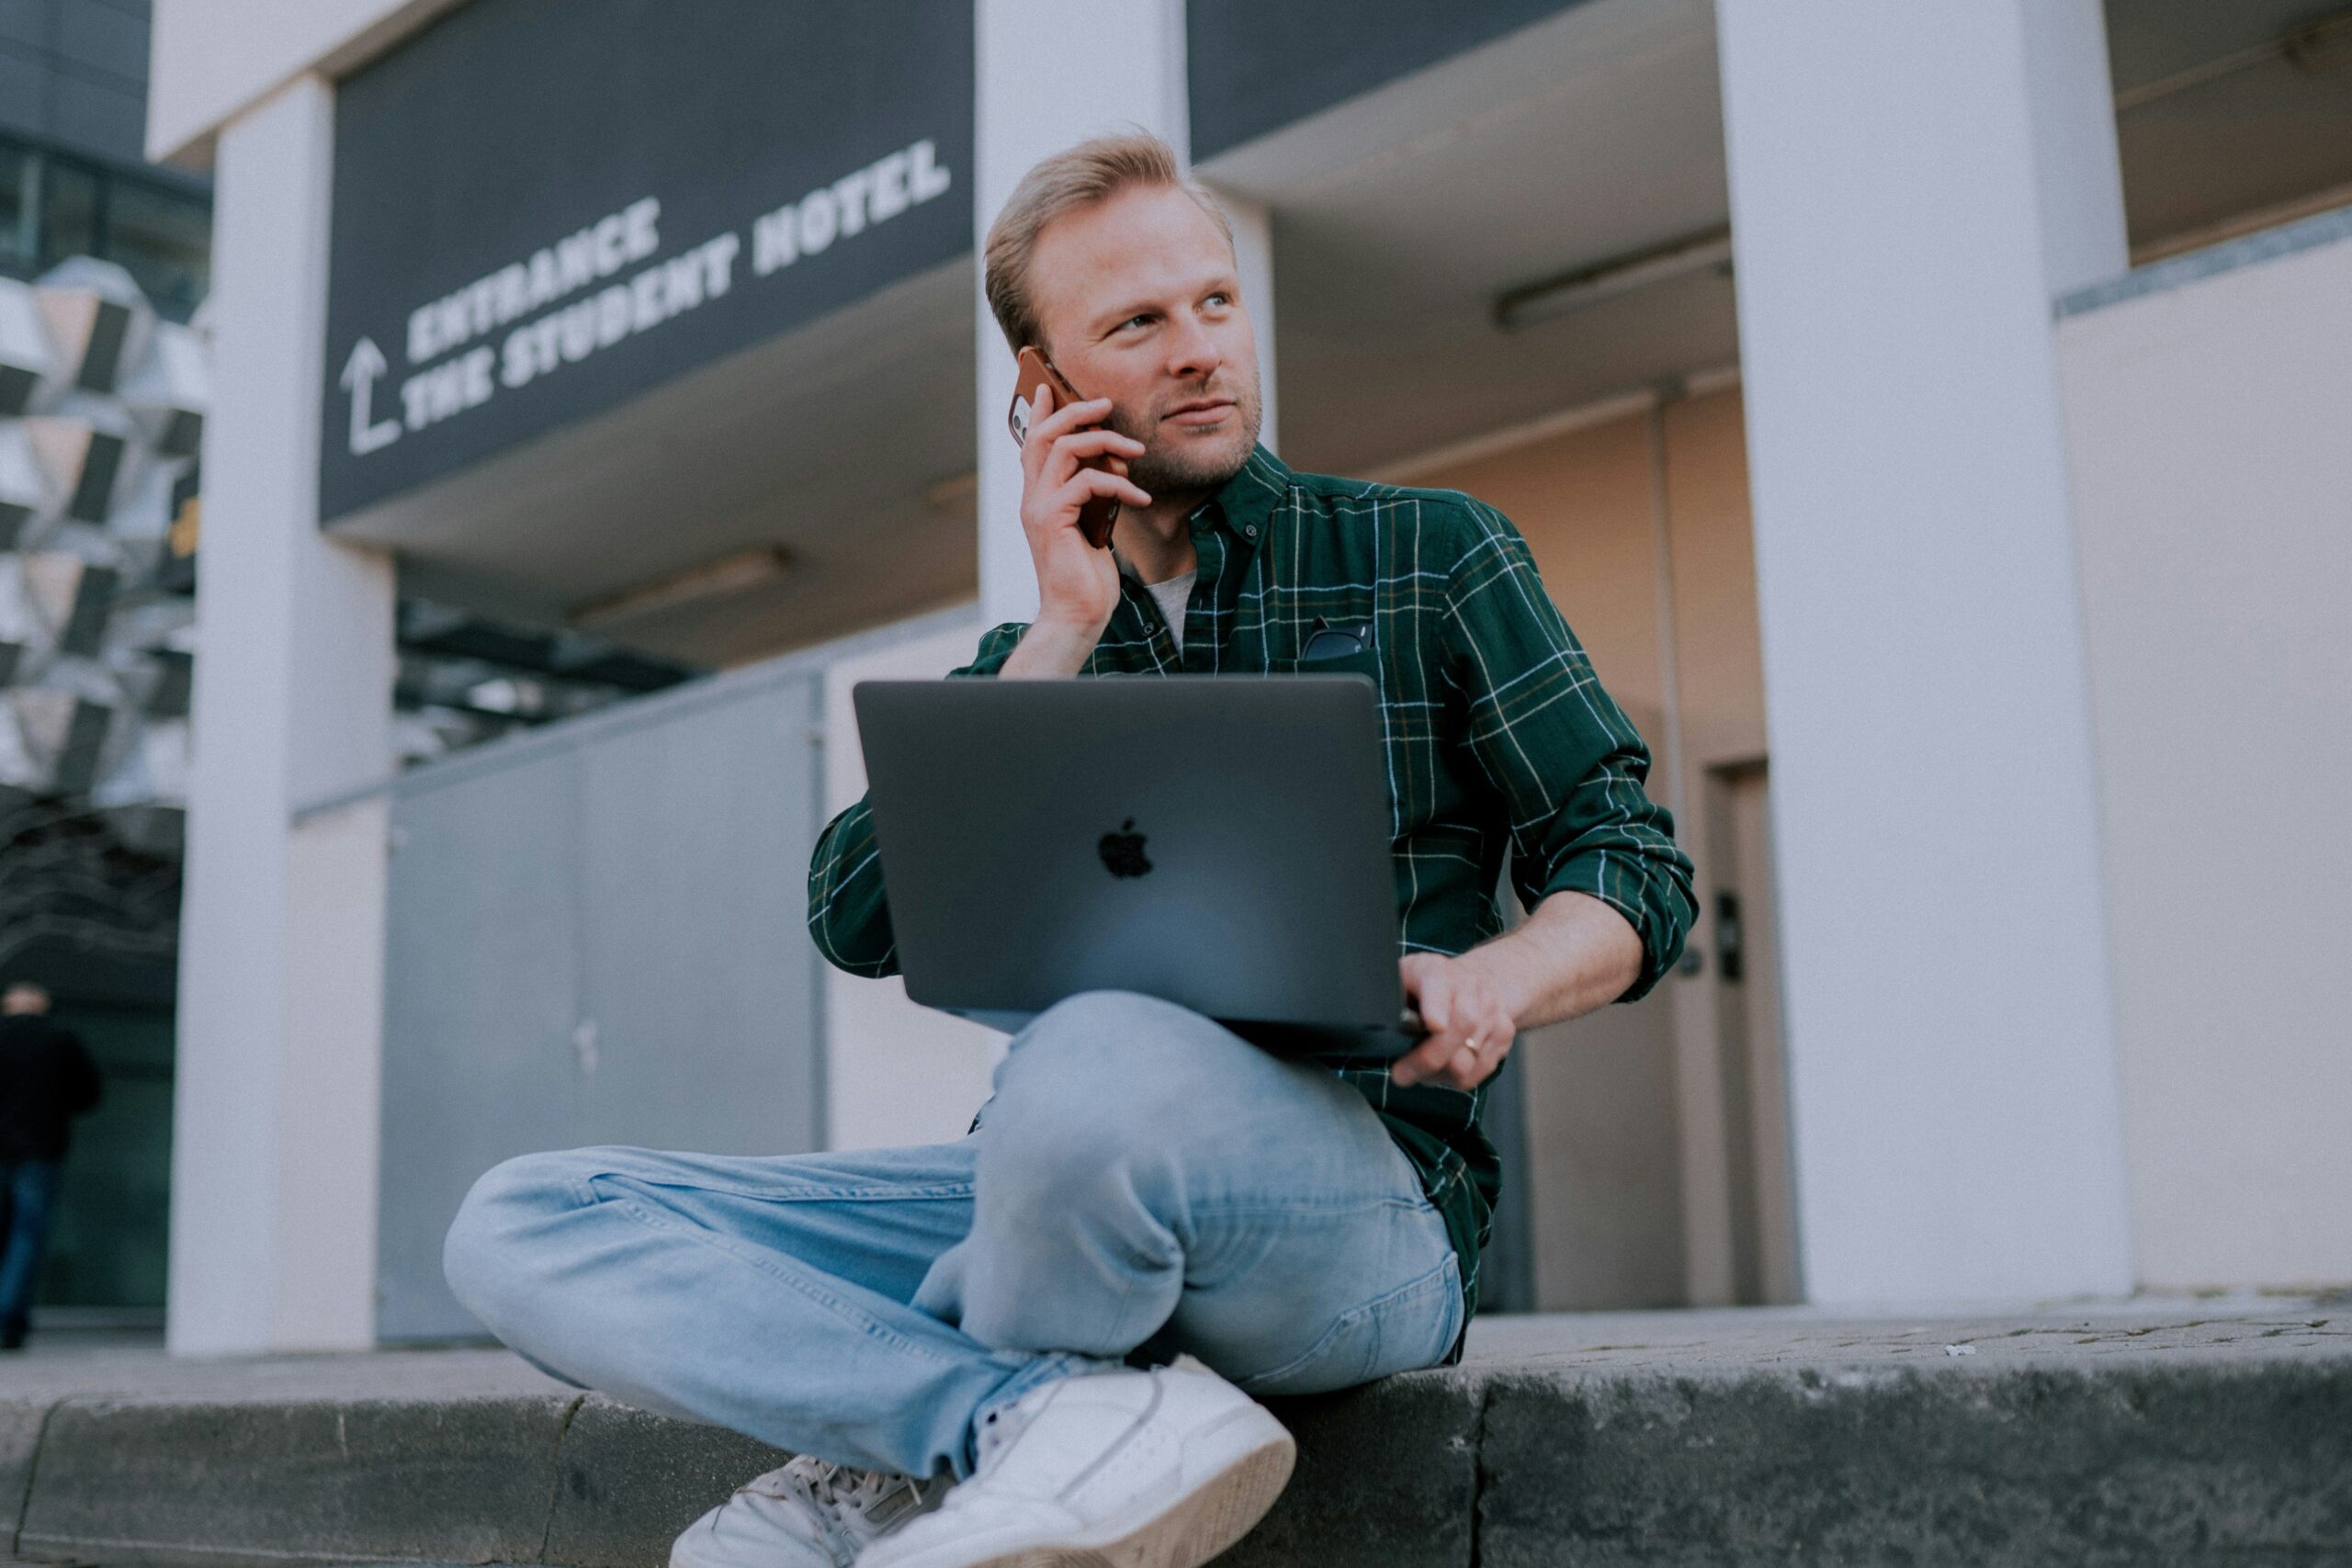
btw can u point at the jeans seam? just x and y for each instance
(832, 1194)
(806, 1193)
(1228, 1208)
(652, 1219)
(1419, 1285)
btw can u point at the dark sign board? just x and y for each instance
(543, 208)
(1256, 67)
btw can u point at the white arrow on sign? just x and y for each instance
(359, 373)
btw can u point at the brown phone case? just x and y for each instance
(1097, 516)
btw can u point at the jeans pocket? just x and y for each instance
(1412, 1326)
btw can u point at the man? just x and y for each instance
(46, 1079)
(974, 1345)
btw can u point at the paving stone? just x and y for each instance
(629, 1482)
(471, 1480)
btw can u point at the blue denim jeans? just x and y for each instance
(27, 1198)
(1143, 1181)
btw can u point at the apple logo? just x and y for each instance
(1121, 851)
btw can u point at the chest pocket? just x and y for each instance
(1340, 650)
(1348, 650)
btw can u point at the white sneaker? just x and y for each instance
(1162, 1469)
(807, 1515)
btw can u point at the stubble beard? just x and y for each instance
(1178, 466)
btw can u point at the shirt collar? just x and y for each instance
(1245, 504)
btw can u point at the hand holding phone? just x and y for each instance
(1033, 376)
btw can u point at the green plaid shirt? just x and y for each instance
(1498, 735)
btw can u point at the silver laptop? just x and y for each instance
(1220, 841)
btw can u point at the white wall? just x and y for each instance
(895, 1072)
(2213, 476)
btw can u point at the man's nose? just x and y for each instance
(1193, 352)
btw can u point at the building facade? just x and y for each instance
(1973, 585)
(100, 397)
(73, 176)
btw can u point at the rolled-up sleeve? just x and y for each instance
(849, 916)
(1567, 761)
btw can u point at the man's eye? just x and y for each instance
(1137, 322)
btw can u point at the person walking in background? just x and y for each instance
(47, 1079)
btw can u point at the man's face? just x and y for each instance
(1140, 303)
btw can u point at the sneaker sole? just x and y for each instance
(1203, 1523)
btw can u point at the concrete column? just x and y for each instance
(275, 1119)
(1253, 249)
(1051, 73)
(1910, 186)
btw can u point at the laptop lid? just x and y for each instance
(1219, 841)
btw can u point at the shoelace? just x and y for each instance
(866, 1495)
(812, 1480)
(826, 1488)
(831, 1489)
(838, 1496)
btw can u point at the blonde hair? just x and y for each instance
(1091, 172)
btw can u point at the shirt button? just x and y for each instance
(1249, 530)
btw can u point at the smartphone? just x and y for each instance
(1034, 370)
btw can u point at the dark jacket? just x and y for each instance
(46, 1078)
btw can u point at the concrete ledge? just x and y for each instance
(1671, 1438)
(629, 1481)
(470, 1480)
(1387, 1477)
(2140, 1464)
(20, 1428)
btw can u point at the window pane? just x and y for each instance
(165, 239)
(19, 192)
(69, 213)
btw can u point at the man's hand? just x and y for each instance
(1078, 586)
(1471, 1025)
(1573, 955)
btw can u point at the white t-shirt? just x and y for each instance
(1173, 594)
